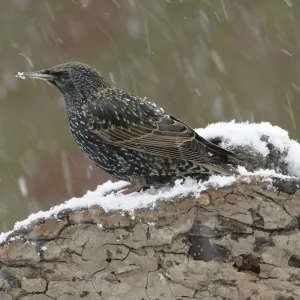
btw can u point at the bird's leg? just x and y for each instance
(135, 187)
(159, 186)
(138, 188)
(137, 184)
(114, 191)
(131, 190)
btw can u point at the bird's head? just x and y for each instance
(78, 82)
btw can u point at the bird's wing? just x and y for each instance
(142, 127)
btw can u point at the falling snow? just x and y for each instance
(23, 186)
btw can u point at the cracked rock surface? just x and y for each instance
(239, 242)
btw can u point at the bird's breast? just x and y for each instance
(111, 159)
(79, 129)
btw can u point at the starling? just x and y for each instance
(129, 137)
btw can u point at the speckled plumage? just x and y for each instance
(128, 137)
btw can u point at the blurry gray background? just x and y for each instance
(202, 60)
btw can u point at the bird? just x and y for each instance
(129, 137)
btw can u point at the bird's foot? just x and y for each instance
(139, 188)
(131, 190)
(117, 190)
(137, 184)
(159, 186)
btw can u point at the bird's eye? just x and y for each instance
(65, 74)
(61, 75)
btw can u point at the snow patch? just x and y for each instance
(250, 134)
(265, 173)
(130, 202)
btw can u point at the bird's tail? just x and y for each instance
(238, 162)
(229, 161)
(221, 169)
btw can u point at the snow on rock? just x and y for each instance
(231, 134)
(130, 202)
(265, 173)
(257, 136)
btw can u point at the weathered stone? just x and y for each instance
(36, 297)
(50, 229)
(233, 243)
(33, 285)
(19, 252)
(5, 296)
